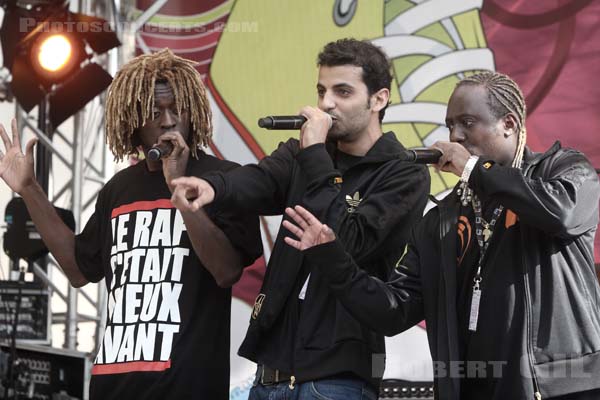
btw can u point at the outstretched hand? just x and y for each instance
(16, 168)
(308, 229)
(191, 193)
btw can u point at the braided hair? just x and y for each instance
(131, 98)
(504, 97)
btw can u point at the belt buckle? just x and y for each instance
(262, 375)
(274, 380)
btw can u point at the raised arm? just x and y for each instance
(211, 243)
(16, 169)
(562, 200)
(257, 188)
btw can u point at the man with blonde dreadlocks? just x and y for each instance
(168, 273)
(501, 270)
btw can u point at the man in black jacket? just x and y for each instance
(305, 342)
(502, 269)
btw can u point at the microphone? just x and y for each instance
(282, 122)
(421, 156)
(159, 151)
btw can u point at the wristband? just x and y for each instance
(468, 169)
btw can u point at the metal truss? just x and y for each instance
(80, 166)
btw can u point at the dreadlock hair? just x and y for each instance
(131, 98)
(504, 97)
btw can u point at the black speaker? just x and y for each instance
(21, 239)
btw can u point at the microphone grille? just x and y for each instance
(265, 122)
(154, 154)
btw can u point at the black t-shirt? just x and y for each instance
(167, 328)
(491, 354)
(344, 161)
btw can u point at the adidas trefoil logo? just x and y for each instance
(353, 201)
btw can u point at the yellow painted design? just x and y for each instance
(256, 81)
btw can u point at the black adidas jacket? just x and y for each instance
(374, 228)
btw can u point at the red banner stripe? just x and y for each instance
(217, 26)
(176, 43)
(182, 8)
(141, 206)
(135, 366)
(215, 150)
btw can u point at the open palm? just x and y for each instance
(308, 229)
(16, 168)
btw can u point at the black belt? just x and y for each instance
(267, 376)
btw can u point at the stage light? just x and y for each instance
(54, 52)
(54, 56)
(48, 63)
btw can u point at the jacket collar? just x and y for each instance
(386, 148)
(531, 159)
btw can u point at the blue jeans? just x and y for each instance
(322, 389)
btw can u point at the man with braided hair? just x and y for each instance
(501, 270)
(168, 273)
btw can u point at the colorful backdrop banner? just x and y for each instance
(258, 58)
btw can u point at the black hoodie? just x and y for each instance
(371, 207)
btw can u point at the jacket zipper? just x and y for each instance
(537, 394)
(536, 388)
